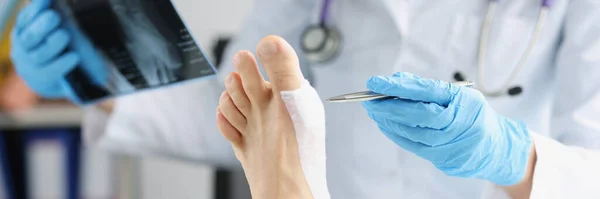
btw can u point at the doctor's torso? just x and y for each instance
(431, 38)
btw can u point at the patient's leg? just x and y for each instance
(277, 129)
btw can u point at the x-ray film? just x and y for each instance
(128, 46)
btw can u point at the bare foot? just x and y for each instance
(253, 116)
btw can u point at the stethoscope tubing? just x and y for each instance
(483, 44)
(322, 54)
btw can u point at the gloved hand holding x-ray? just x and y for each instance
(63, 51)
(42, 55)
(451, 126)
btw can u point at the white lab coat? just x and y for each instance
(430, 38)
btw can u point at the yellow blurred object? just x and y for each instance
(14, 93)
(5, 64)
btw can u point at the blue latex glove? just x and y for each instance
(452, 127)
(39, 51)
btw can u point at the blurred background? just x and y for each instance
(41, 153)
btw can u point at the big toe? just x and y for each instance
(281, 63)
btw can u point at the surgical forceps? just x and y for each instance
(370, 95)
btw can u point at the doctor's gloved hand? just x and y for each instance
(452, 127)
(41, 52)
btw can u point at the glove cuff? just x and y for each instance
(514, 159)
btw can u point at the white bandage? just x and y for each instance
(308, 115)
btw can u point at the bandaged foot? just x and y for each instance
(277, 128)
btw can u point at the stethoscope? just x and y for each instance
(321, 43)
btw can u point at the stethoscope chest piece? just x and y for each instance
(320, 43)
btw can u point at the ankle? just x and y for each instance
(286, 183)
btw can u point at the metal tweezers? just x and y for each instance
(370, 95)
